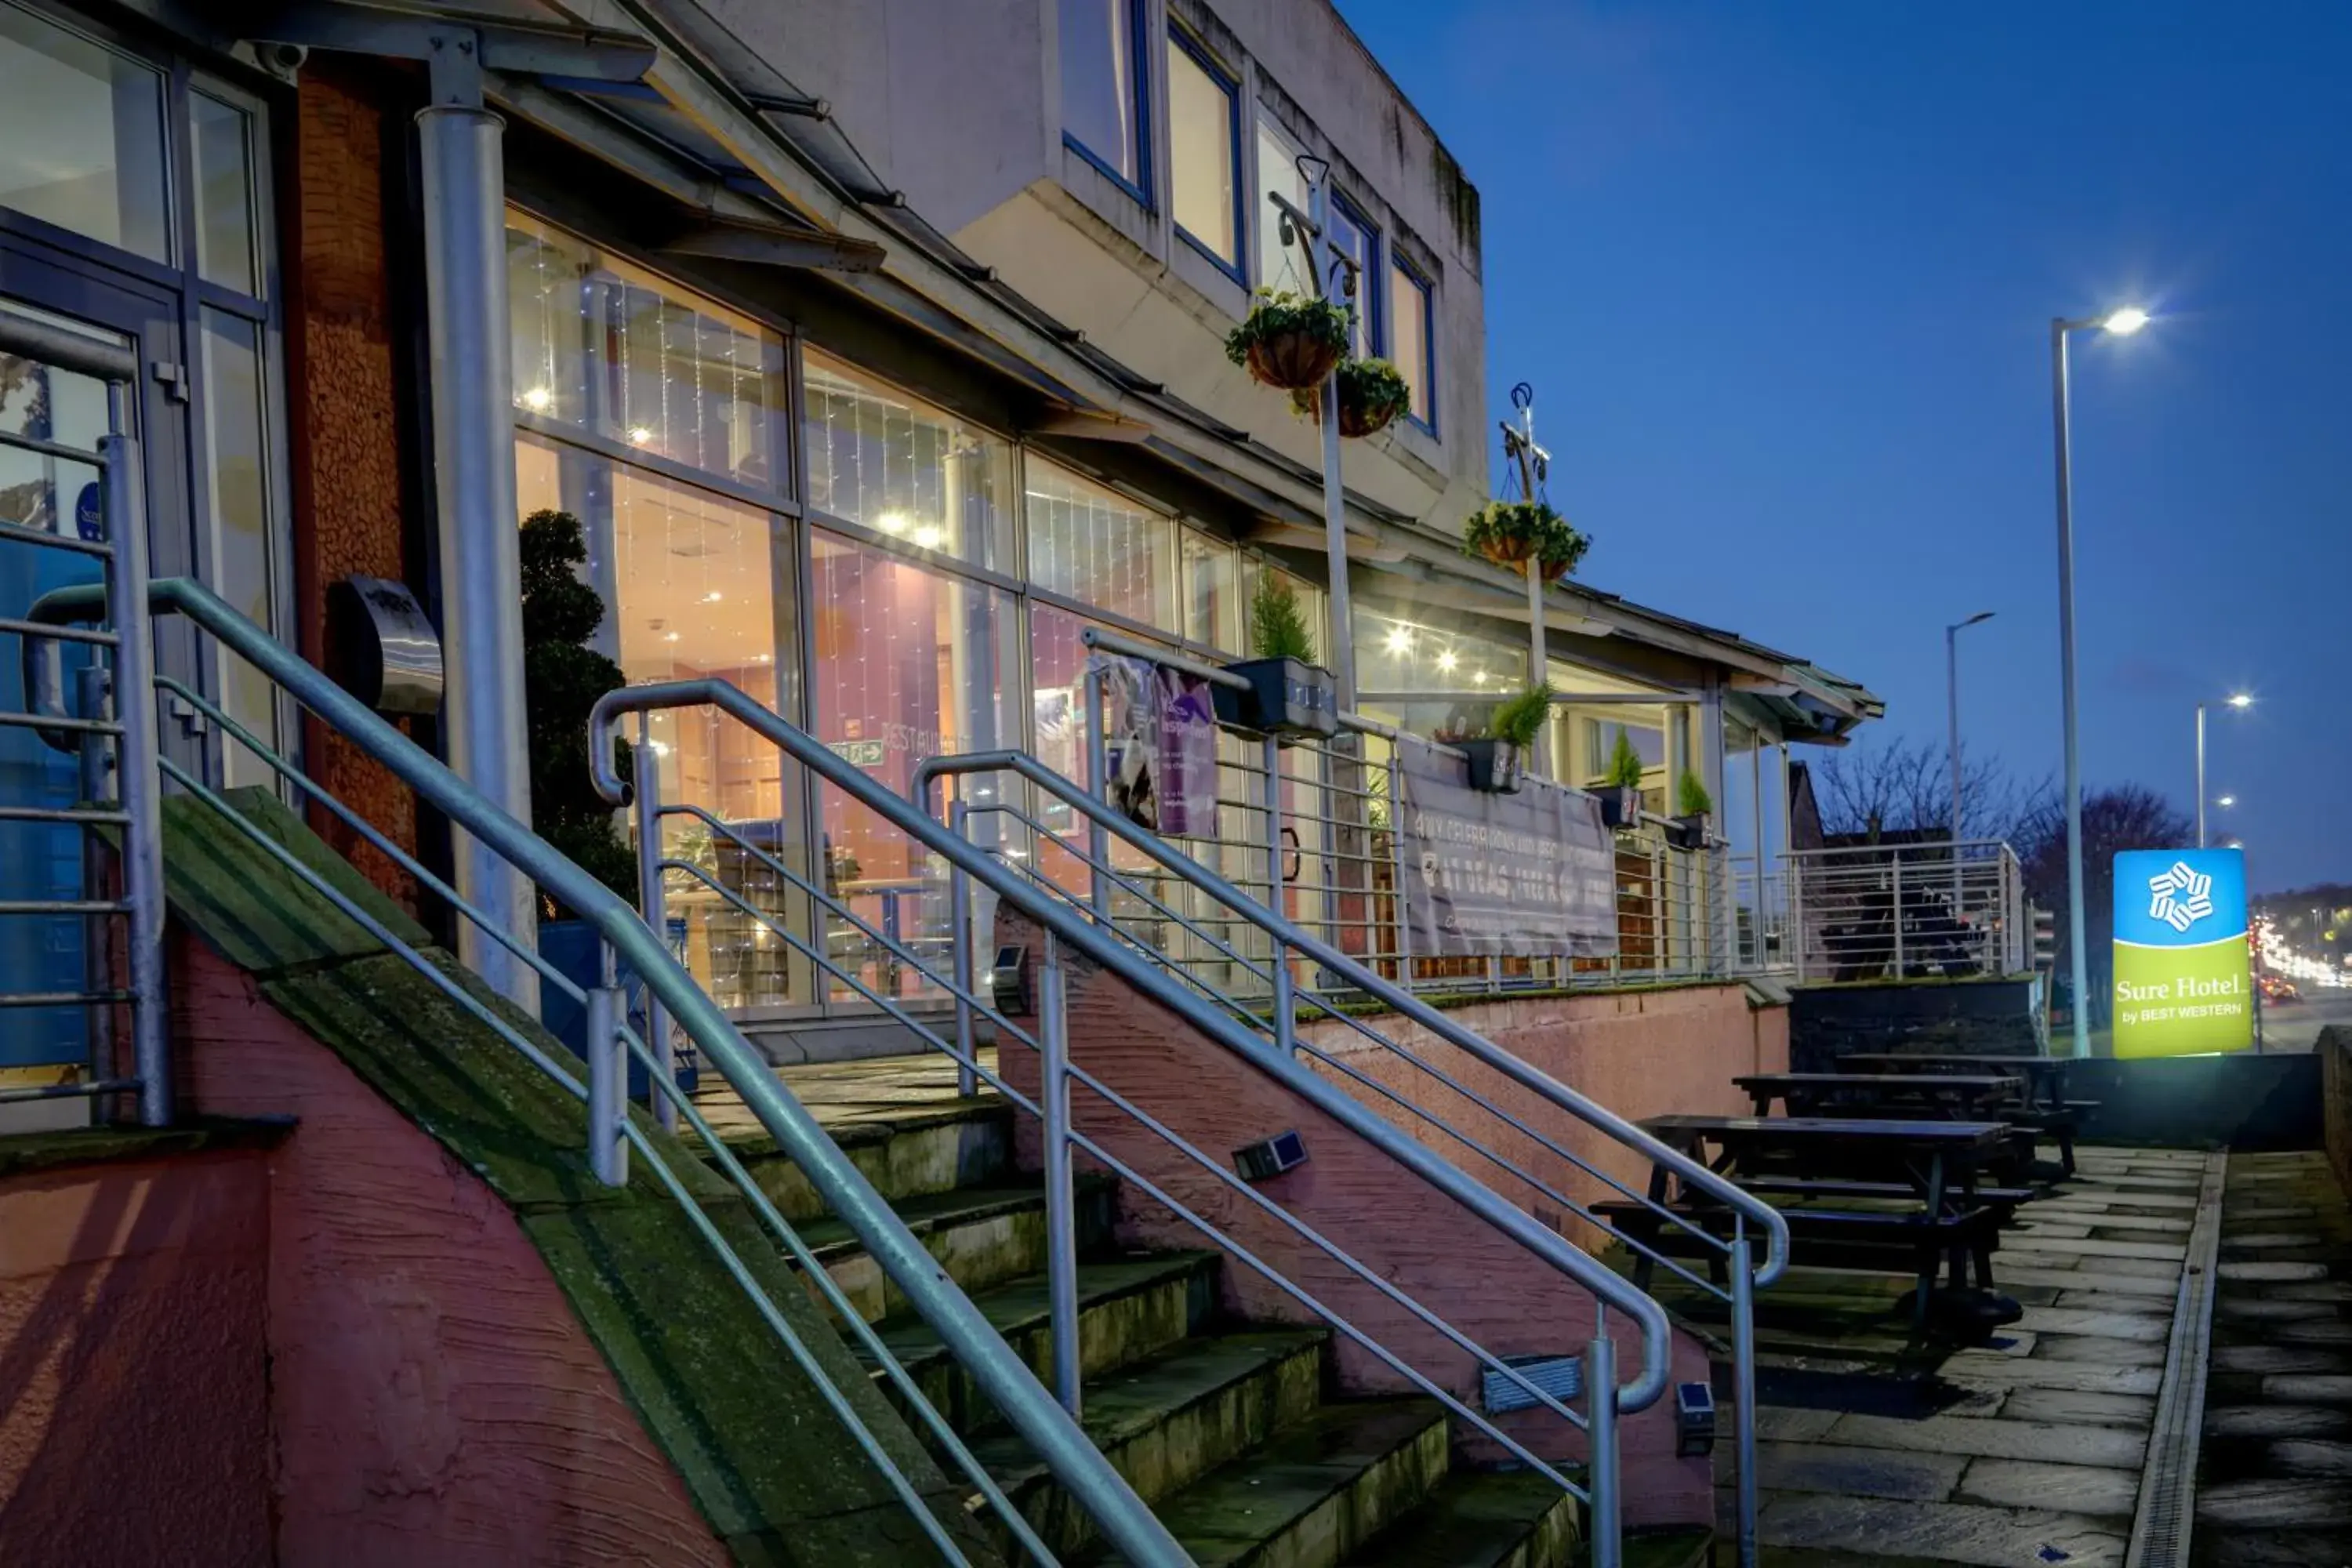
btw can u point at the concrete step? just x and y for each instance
(933, 1146)
(1316, 1492)
(1482, 1518)
(1168, 1420)
(982, 1236)
(1130, 1308)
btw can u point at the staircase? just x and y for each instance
(1230, 1430)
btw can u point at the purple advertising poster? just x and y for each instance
(1188, 756)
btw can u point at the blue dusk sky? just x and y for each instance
(1782, 277)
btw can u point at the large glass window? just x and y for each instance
(1092, 545)
(81, 136)
(1203, 143)
(1412, 331)
(1279, 266)
(224, 193)
(612, 350)
(1103, 113)
(1212, 592)
(879, 458)
(237, 485)
(911, 663)
(1353, 234)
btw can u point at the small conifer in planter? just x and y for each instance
(1498, 757)
(1289, 342)
(1514, 532)
(562, 676)
(1372, 393)
(1620, 786)
(1288, 692)
(1693, 813)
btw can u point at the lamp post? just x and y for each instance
(2238, 700)
(2123, 324)
(1952, 707)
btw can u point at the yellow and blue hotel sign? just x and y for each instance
(2184, 975)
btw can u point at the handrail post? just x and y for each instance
(1742, 1265)
(97, 787)
(1397, 908)
(139, 785)
(960, 937)
(653, 903)
(1098, 769)
(1285, 1008)
(1795, 937)
(1899, 916)
(1061, 1216)
(1600, 1404)
(608, 1077)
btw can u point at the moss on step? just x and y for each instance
(1484, 1519)
(22, 1154)
(934, 1149)
(983, 1236)
(762, 1455)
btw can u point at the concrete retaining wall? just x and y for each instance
(1990, 1017)
(2334, 1053)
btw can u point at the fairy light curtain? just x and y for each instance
(904, 469)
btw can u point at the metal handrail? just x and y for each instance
(1693, 1172)
(1006, 1380)
(1114, 954)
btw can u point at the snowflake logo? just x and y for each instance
(2180, 897)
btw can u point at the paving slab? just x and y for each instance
(1850, 1471)
(2081, 1407)
(2049, 1442)
(1877, 1530)
(2277, 1421)
(2067, 1488)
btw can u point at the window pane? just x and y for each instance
(224, 195)
(1201, 128)
(1096, 546)
(1101, 99)
(610, 348)
(237, 485)
(1212, 598)
(81, 136)
(878, 457)
(1355, 237)
(698, 585)
(910, 664)
(1279, 266)
(1408, 339)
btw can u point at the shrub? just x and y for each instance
(1278, 625)
(1691, 798)
(563, 677)
(1624, 764)
(1520, 719)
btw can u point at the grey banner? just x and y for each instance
(1525, 875)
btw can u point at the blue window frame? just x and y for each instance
(1356, 236)
(1106, 102)
(1204, 152)
(1412, 338)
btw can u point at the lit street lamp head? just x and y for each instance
(2227, 800)
(2126, 321)
(2241, 700)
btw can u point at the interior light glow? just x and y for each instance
(538, 399)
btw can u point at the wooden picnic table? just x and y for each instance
(1956, 1096)
(2045, 1076)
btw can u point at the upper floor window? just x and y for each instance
(1353, 234)
(1413, 330)
(1279, 266)
(1204, 128)
(1103, 100)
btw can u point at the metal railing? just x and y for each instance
(1262, 968)
(118, 781)
(1905, 911)
(1069, 923)
(615, 1136)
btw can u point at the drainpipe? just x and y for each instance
(474, 492)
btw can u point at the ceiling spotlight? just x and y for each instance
(1478, 678)
(711, 597)
(1447, 660)
(930, 536)
(893, 522)
(640, 434)
(538, 399)
(1399, 639)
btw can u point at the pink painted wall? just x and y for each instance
(134, 1412)
(1637, 1053)
(433, 1397)
(1405, 1232)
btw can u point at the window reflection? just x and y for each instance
(1093, 544)
(224, 195)
(237, 486)
(902, 467)
(81, 136)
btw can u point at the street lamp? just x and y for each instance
(2238, 700)
(2123, 324)
(1952, 706)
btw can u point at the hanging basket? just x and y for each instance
(1372, 394)
(1512, 534)
(1289, 342)
(1291, 361)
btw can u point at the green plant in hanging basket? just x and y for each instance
(1520, 719)
(1288, 341)
(1514, 532)
(1372, 392)
(1278, 625)
(1691, 798)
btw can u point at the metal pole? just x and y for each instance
(1743, 1383)
(2200, 775)
(653, 903)
(1396, 850)
(608, 1077)
(1284, 1011)
(97, 787)
(1097, 766)
(1600, 1404)
(1061, 1204)
(1898, 915)
(1952, 713)
(139, 785)
(483, 721)
(1340, 634)
(959, 927)
(2078, 959)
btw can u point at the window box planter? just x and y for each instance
(1690, 832)
(1619, 809)
(1284, 697)
(1494, 765)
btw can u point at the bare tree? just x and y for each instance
(2127, 816)
(1905, 786)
